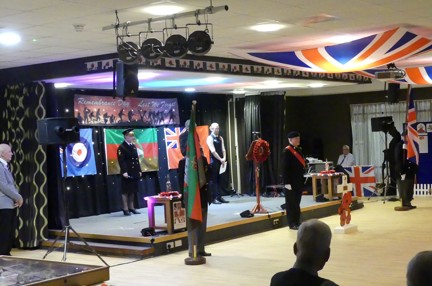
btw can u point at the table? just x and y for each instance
(168, 203)
(328, 183)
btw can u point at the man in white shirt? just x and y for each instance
(216, 145)
(346, 159)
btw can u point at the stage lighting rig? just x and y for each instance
(176, 46)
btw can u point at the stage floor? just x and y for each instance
(116, 224)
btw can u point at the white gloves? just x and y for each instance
(288, 187)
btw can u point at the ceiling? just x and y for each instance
(47, 28)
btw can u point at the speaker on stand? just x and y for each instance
(61, 131)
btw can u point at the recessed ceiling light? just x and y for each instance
(189, 89)
(9, 38)
(239, 91)
(268, 27)
(316, 85)
(61, 85)
(163, 8)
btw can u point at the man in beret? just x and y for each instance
(130, 169)
(293, 168)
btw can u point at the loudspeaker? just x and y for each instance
(380, 123)
(58, 131)
(393, 93)
(127, 79)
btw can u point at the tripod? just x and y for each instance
(67, 227)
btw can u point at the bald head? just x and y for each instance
(312, 246)
(419, 269)
(214, 128)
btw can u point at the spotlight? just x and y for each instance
(128, 52)
(199, 43)
(176, 46)
(152, 49)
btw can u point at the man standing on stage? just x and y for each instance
(130, 169)
(217, 161)
(293, 168)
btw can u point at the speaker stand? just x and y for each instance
(67, 228)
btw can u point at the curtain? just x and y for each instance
(368, 146)
(21, 106)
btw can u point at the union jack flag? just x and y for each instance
(363, 180)
(365, 53)
(412, 137)
(172, 143)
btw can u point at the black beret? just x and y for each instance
(293, 134)
(127, 131)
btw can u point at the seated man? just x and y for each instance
(346, 159)
(312, 249)
(419, 269)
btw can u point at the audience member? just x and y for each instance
(419, 269)
(10, 200)
(346, 159)
(312, 249)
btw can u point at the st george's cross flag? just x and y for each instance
(363, 180)
(412, 136)
(147, 147)
(172, 143)
(80, 158)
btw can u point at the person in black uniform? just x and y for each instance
(217, 160)
(293, 168)
(312, 249)
(130, 169)
(405, 176)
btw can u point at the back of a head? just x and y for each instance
(419, 269)
(313, 240)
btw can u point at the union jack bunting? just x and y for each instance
(365, 53)
(412, 137)
(363, 180)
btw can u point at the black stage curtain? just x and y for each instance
(21, 106)
(252, 122)
(272, 110)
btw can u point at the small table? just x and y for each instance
(327, 184)
(167, 202)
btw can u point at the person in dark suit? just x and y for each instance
(405, 176)
(196, 232)
(312, 249)
(10, 200)
(293, 169)
(130, 169)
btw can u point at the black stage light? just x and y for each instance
(152, 49)
(176, 46)
(199, 43)
(128, 52)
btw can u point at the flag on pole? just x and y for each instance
(411, 137)
(194, 171)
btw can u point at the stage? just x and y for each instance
(116, 234)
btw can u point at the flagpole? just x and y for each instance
(405, 131)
